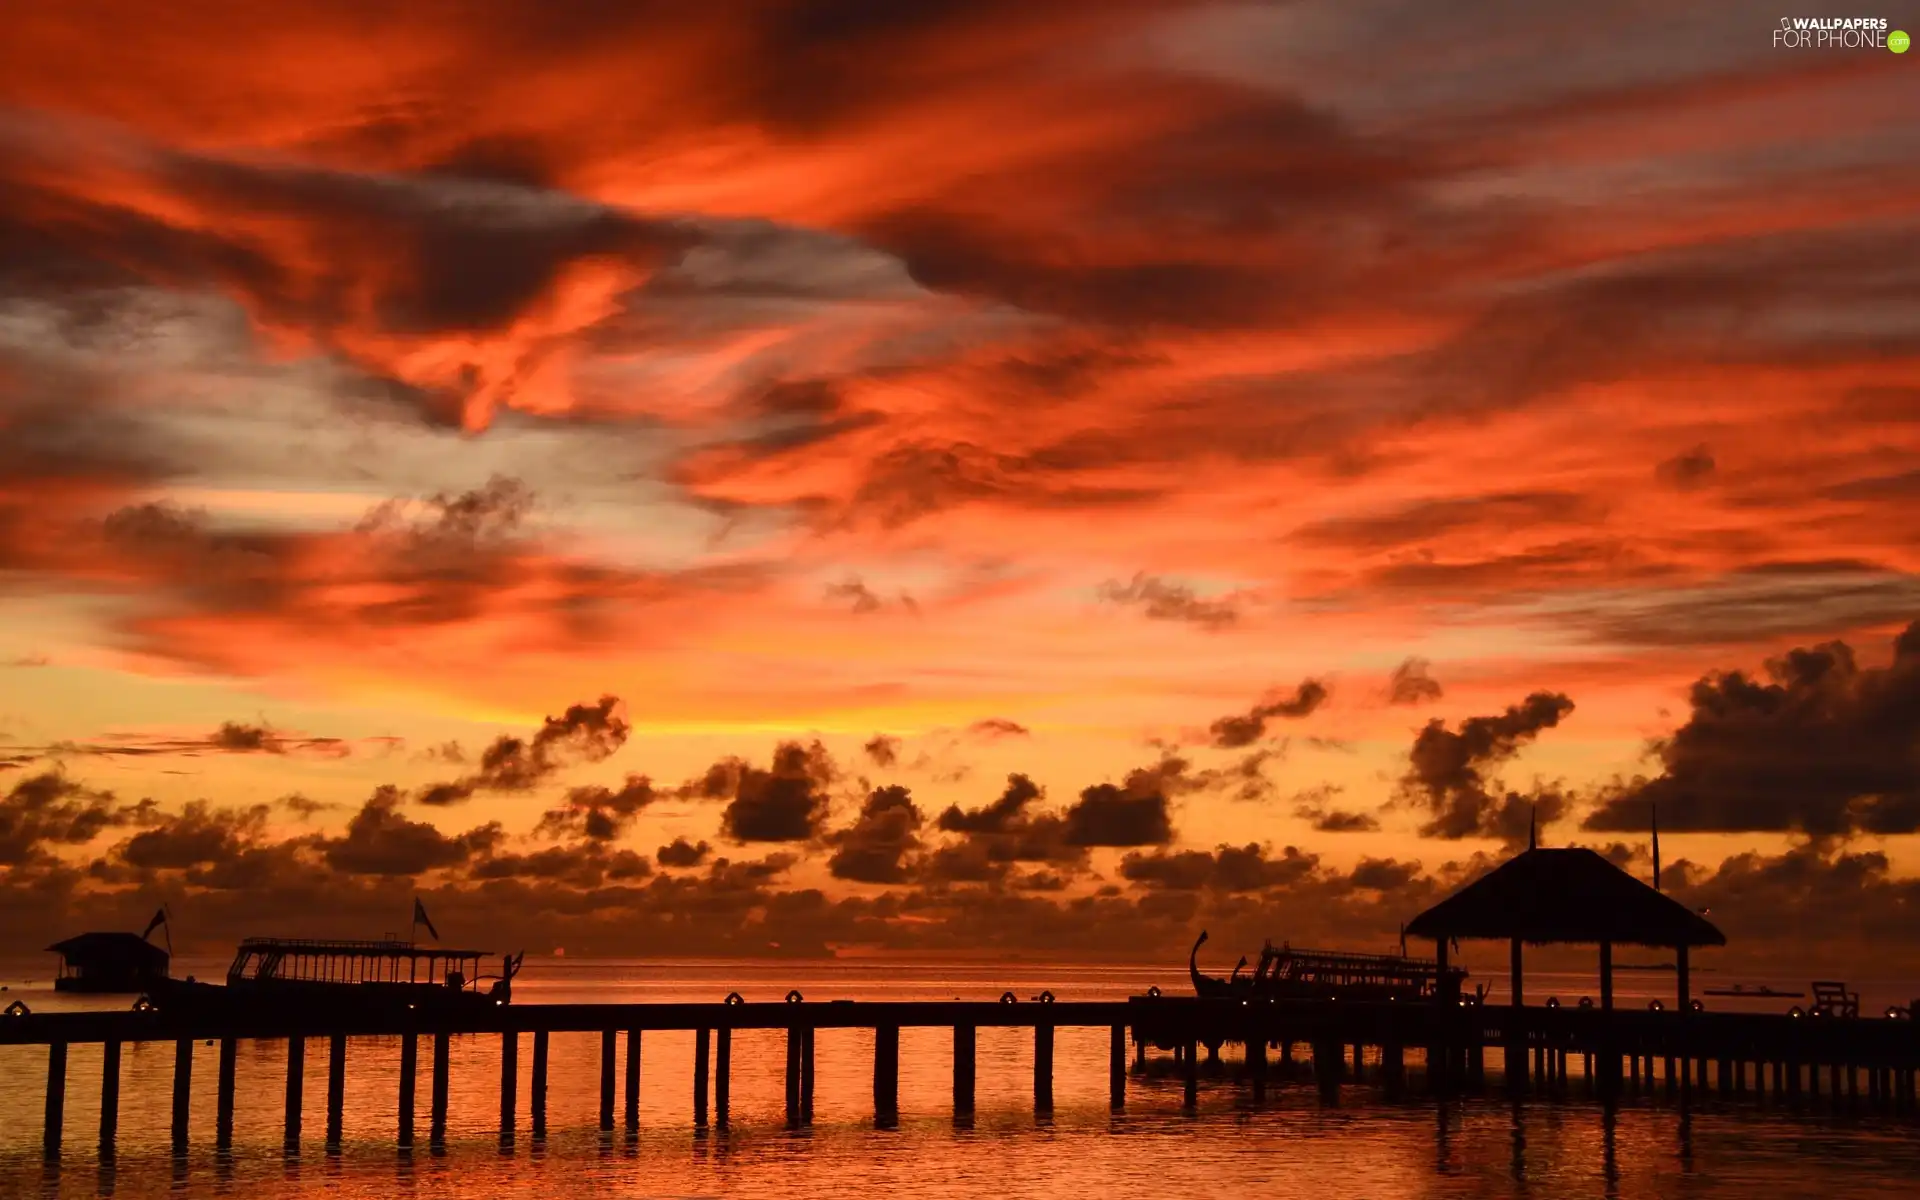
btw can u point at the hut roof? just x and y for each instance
(128, 948)
(1565, 895)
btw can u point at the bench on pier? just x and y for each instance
(1832, 999)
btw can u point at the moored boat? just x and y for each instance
(343, 977)
(1287, 973)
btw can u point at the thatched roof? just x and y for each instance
(127, 949)
(1564, 895)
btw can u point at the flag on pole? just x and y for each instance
(420, 918)
(159, 919)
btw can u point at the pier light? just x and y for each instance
(1587, 1002)
(1655, 1006)
(1553, 1002)
(1697, 1005)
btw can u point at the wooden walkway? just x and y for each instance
(1687, 1052)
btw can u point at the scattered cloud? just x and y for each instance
(1232, 732)
(1411, 686)
(1449, 772)
(1161, 600)
(1817, 745)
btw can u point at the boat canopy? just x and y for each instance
(318, 960)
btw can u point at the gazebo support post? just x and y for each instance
(1516, 1030)
(1609, 1063)
(1441, 1055)
(1606, 976)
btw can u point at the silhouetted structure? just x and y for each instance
(328, 975)
(108, 962)
(1288, 973)
(1569, 895)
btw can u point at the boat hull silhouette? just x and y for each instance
(311, 977)
(193, 997)
(1287, 973)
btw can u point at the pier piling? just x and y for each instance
(1117, 1066)
(296, 1089)
(806, 1075)
(442, 1052)
(607, 1039)
(537, 1101)
(793, 1076)
(409, 1061)
(702, 1040)
(632, 1106)
(509, 1084)
(336, 1087)
(109, 1096)
(1043, 1068)
(182, 1092)
(223, 1094)
(56, 1108)
(963, 1068)
(722, 1075)
(886, 1074)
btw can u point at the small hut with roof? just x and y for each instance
(1569, 895)
(108, 962)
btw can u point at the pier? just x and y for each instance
(1867, 1064)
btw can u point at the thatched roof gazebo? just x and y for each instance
(1561, 896)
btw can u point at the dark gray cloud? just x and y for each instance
(585, 865)
(1135, 812)
(1450, 772)
(599, 813)
(380, 841)
(1411, 686)
(1245, 868)
(784, 802)
(875, 848)
(584, 733)
(883, 749)
(1817, 744)
(50, 810)
(682, 853)
(1337, 820)
(1243, 730)
(199, 835)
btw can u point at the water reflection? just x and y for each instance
(1609, 1148)
(1519, 1141)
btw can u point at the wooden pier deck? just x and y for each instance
(1687, 1053)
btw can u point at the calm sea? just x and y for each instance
(1357, 1147)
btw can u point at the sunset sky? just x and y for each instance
(751, 476)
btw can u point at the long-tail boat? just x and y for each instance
(1284, 972)
(344, 977)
